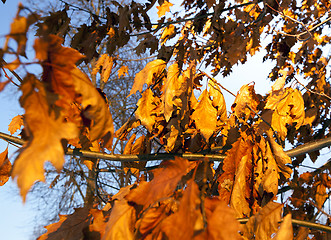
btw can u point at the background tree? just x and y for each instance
(251, 168)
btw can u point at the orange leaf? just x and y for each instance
(285, 231)
(47, 129)
(205, 116)
(105, 63)
(121, 222)
(146, 111)
(222, 223)
(218, 100)
(57, 62)
(122, 71)
(5, 167)
(163, 184)
(182, 224)
(245, 102)
(15, 124)
(151, 71)
(164, 8)
(168, 32)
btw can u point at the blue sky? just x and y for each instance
(16, 219)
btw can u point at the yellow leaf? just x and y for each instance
(121, 222)
(151, 71)
(146, 110)
(205, 116)
(47, 129)
(245, 102)
(270, 176)
(105, 63)
(164, 8)
(5, 167)
(15, 124)
(285, 231)
(168, 32)
(218, 100)
(238, 201)
(122, 71)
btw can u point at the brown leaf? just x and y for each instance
(121, 222)
(205, 116)
(47, 129)
(57, 62)
(285, 231)
(162, 185)
(182, 224)
(69, 226)
(222, 223)
(15, 124)
(94, 108)
(164, 8)
(151, 71)
(5, 167)
(146, 110)
(321, 195)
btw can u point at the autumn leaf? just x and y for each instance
(188, 219)
(221, 220)
(280, 156)
(164, 8)
(69, 226)
(94, 108)
(57, 62)
(15, 124)
(217, 100)
(246, 102)
(47, 129)
(151, 71)
(105, 64)
(165, 180)
(263, 224)
(271, 175)
(285, 231)
(238, 201)
(146, 109)
(122, 71)
(5, 167)
(168, 32)
(121, 222)
(205, 116)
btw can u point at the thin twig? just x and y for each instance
(215, 81)
(9, 78)
(314, 92)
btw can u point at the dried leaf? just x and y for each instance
(245, 102)
(105, 64)
(238, 201)
(121, 222)
(285, 231)
(270, 176)
(146, 110)
(182, 224)
(47, 130)
(321, 195)
(15, 124)
(167, 33)
(164, 8)
(280, 156)
(123, 71)
(222, 223)
(162, 185)
(151, 71)
(5, 167)
(205, 116)
(69, 226)
(263, 224)
(218, 100)
(94, 108)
